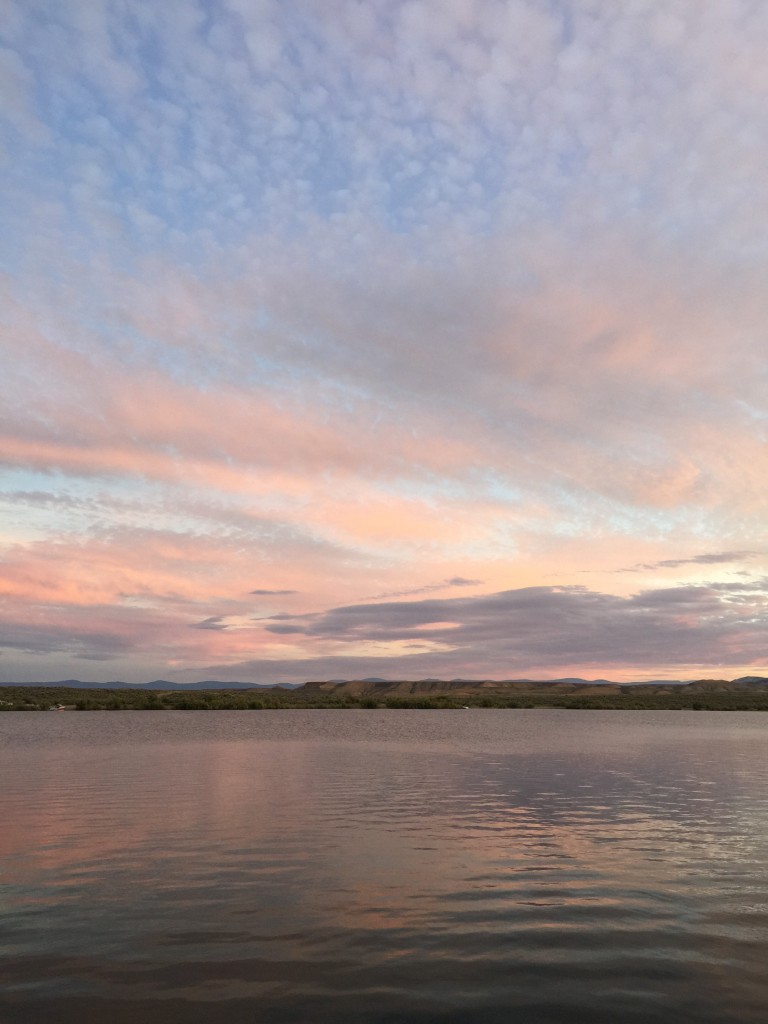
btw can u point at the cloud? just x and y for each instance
(454, 581)
(213, 622)
(716, 558)
(514, 630)
(305, 296)
(272, 593)
(41, 639)
(285, 630)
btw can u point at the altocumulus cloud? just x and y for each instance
(357, 299)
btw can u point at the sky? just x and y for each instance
(393, 338)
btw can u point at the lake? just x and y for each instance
(384, 867)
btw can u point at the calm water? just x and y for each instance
(383, 866)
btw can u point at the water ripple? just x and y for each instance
(384, 868)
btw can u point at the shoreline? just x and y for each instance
(700, 696)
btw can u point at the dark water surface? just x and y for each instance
(383, 866)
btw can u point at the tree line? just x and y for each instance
(44, 698)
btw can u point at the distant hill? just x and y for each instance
(749, 693)
(424, 687)
(162, 684)
(495, 687)
(375, 687)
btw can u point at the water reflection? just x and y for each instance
(384, 867)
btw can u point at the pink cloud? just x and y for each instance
(520, 338)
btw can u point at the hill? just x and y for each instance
(160, 684)
(746, 693)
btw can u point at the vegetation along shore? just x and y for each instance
(749, 693)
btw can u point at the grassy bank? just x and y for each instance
(34, 698)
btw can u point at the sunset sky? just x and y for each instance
(350, 338)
